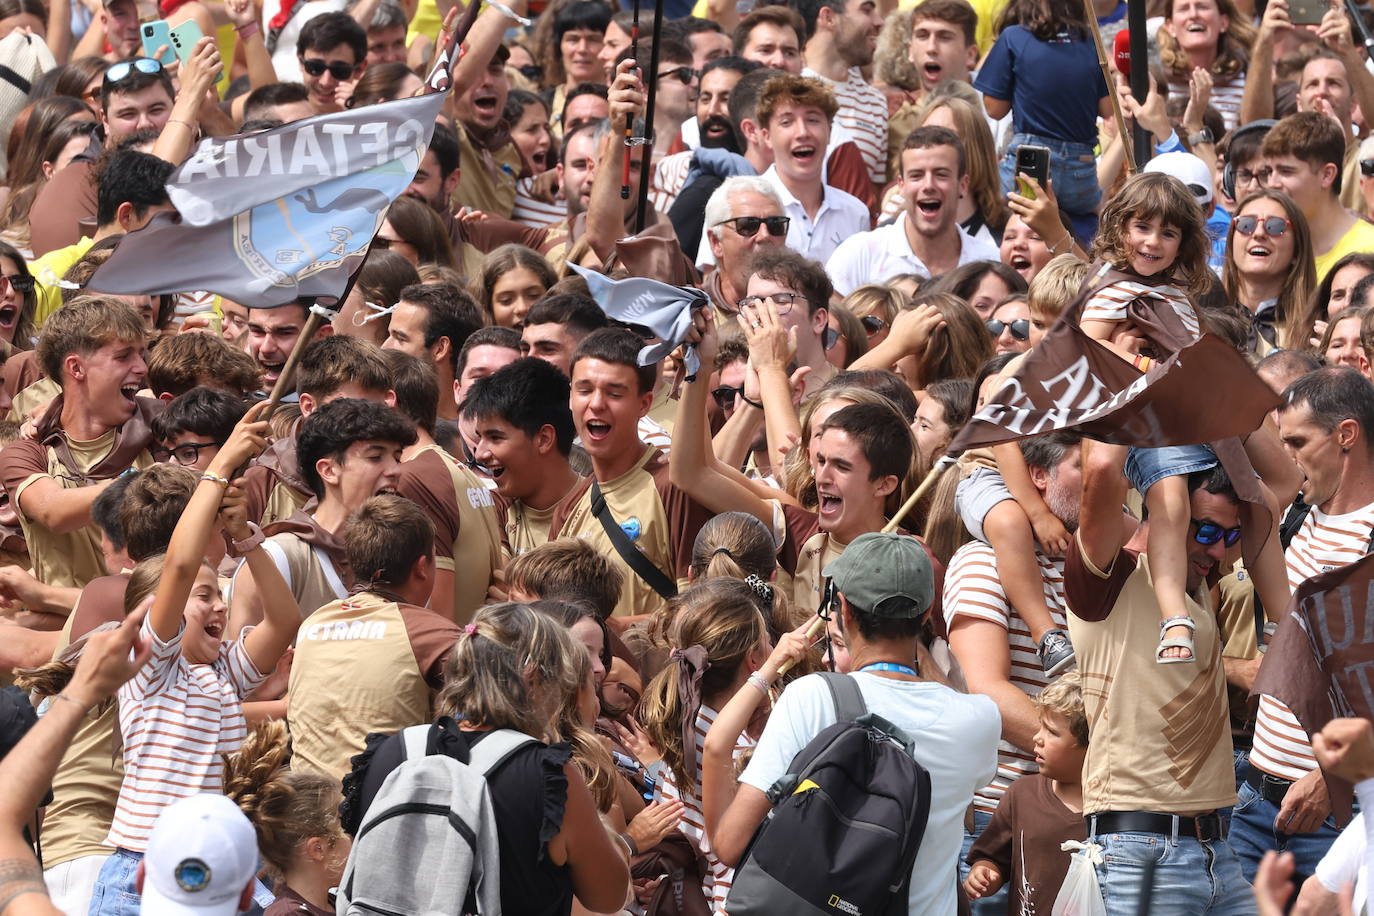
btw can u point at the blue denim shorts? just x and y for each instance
(1147, 466)
(116, 890)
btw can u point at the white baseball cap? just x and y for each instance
(1187, 168)
(201, 855)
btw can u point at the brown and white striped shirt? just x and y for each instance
(973, 589)
(1324, 542)
(1110, 302)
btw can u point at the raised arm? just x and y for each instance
(1101, 523)
(606, 209)
(1258, 99)
(281, 615)
(198, 522)
(480, 47)
(691, 466)
(108, 660)
(197, 76)
(909, 335)
(771, 348)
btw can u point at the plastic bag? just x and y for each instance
(1080, 895)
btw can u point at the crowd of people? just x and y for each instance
(483, 540)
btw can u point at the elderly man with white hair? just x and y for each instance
(743, 214)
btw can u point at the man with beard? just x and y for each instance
(771, 35)
(928, 239)
(94, 431)
(714, 128)
(841, 38)
(994, 645)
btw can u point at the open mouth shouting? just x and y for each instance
(9, 316)
(830, 505)
(215, 629)
(129, 391)
(806, 155)
(484, 102)
(596, 431)
(1020, 263)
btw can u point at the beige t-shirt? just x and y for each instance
(1159, 735)
(362, 665)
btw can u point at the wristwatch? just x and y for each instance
(1203, 136)
(251, 542)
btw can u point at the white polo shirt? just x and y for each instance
(884, 253)
(841, 215)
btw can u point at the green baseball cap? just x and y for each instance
(885, 574)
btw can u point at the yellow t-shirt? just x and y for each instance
(426, 22)
(48, 270)
(1360, 237)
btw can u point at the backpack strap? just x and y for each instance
(496, 748)
(415, 742)
(848, 699)
(654, 577)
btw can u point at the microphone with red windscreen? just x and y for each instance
(1121, 52)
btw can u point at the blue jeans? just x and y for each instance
(1190, 878)
(1073, 174)
(996, 905)
(1253, 833)
(116, 889)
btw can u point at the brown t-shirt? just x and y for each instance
(87, 781)
(61, 205)
(1160, 739)
(467, 534)
(1023, 840)
(364, 664)
(661, 520)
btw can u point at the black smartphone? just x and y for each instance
(1307, 12)
(1034, 162)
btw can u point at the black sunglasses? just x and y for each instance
(748, 226)
(186, 453)
(872, 324)
(725, 395)
(20, 283)
(532, 72)
(337, 69)
(1367, 168)
(1020, 328)
(1274, 226)
(1209, 533)
(121, 70)
(684, 74)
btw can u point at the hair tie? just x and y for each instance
(470, 629)
(724, 550)
(760, 587)
(692, 663)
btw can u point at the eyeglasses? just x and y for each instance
(684, 74)
(748, 226)
(337, 69)
(1209, 533)
(124, 68)
(186, 453)
(872, 324)
(1255, 176)
(1367, 168)
(725, 396)
(1020, 328)
(782, 301)
(1274, 226)
(20, 283)
(382, 243)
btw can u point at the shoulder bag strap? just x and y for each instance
(848, 699)
(632, 555)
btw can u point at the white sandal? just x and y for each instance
(1182, 642)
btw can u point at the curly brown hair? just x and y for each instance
(1153, 195)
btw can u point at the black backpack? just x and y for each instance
(846, 824)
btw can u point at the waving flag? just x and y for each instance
(265, 218)
(663, 309)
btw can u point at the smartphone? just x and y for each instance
(156, 35)
(184, 39)
(1033, 162)
(1307, 12)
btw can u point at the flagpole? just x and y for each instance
(314, 317)
(931, 477)
(652, 80)
(1106, 66)
(629, 118)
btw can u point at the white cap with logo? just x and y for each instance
(201, 855)
(1187, 168)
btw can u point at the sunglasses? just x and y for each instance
(1020, 328)
(872, 324)
(725, 396)
(337, 69)
(20, 283)
(124, 68)
(1367, 168)
(532, 72)
(1209, 533)
(748, 226)
(1274, 226)
(185, 454)
(382, 243)
(684, 74)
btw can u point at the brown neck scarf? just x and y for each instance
(130, 441)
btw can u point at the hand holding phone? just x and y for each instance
(1033, 162)
(157, 35)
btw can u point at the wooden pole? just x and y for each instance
(1106, 66)
(313, 320)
